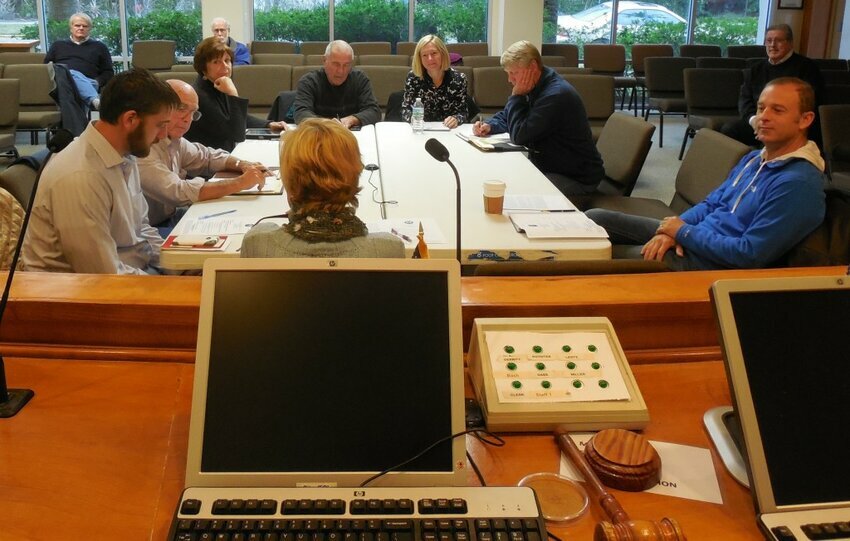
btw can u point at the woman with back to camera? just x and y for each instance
(320, 167)
(442, 89)
(224, 115)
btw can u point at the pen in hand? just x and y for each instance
(217, 214)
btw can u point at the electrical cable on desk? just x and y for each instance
(552, 536)
(372, 168)
(476, 470)
(496, 442)
(285, 215)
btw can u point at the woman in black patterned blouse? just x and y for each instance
(442, 89)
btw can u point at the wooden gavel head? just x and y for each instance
(666, 529)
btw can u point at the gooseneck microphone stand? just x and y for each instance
(12, 400)
(439, 152)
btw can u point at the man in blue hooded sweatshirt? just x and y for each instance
(769, 202)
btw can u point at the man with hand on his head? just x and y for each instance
(546, 114)
(337, 91)
(769, 202)
(171, 173)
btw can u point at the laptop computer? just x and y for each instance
(325, 372)
(786, 351)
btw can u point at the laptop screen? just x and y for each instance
(322, 372)
(787, 358)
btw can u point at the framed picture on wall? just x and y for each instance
(790, 4)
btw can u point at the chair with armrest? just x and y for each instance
(491, 89)
(468, 49)
(835, 77)
(154, 55)
(835, 129)
(261, 85)
(371, 47)
(597, 94)
(623, 144)
(609, 59)
(12, 57)
(829, 243)
(9, 96)
(665, 84)
(313, 47)
(272, 47)
(640, 52)
(721, 62)
(383, 60)
(696, 50)
(712, 98)
(565, 268)
(187, 76)
(479, 61)
(183, 67)
(405, 48)
(568, 50)
(706, 165)
(280, 59)
(38, 111)
(831, 63)
(746, 51)
(385, 80)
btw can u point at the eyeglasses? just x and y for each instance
(183, 109)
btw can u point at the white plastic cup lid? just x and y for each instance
(494, 188)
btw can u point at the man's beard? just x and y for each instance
(136, 141)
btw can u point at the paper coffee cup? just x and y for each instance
(494, 196)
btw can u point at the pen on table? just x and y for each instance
(403, 236)
(217, 214)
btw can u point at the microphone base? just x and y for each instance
(18, 398)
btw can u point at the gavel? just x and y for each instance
(621, 527)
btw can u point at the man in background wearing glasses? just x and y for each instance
(172, 175)
(781, 61)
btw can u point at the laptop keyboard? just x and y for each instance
(359, 514)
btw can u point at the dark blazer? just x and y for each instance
(223, 118)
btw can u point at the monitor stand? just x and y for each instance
(724, 428)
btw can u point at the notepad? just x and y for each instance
(436, 126)
(556, 225)
(542, 203)
(207, 243)
(494, 143)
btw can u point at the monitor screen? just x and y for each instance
(795, 353)
(313, 372)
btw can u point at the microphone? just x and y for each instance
(439, 152)
(12, 400)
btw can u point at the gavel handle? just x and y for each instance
(606, 500)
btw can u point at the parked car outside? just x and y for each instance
(593, 25)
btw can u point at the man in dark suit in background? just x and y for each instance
(781, 61)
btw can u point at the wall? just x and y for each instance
(525, 22)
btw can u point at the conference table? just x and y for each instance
(410, 187)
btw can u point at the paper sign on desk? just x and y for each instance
(543, 203)
(686, 471)
(407, 228)
(273, 185)
(223, 225)
(556, 225)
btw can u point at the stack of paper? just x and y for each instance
(273, 185)
(556, 225)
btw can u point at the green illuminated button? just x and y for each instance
(540, 366)
(566, 349)
(591, 347)
(603, 383)
(509, 349)
(571, 365)
(595, 366)
(577, 384)
(545, 384)
(511, 366)
(537, 349)
(516, 384)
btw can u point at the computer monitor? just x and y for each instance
(323, 372)
(785, 346)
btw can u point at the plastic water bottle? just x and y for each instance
(417, 120)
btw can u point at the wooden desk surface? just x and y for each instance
(101, 449)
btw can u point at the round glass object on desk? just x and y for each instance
(561, 499)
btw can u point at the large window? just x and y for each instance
(16, 15)
(370, 20)
(720, 22)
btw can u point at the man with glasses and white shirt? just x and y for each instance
(172, 175)
(781, 61)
